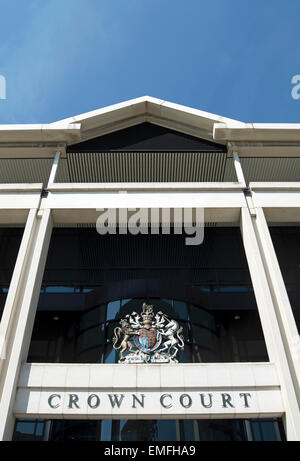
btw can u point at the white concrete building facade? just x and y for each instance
(246, 178)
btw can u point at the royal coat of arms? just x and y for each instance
(148, 338)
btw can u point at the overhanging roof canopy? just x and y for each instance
(259, 140)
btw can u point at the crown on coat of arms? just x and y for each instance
(147, 312)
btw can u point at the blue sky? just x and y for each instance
(229, 57)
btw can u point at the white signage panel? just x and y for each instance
(122, 391)
(163, 403)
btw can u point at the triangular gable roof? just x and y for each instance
(184, 119)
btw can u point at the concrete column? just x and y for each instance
(238, 169)
(54, 169)
(284, 313)
(270, 326)
(9, 311)
(20, 311)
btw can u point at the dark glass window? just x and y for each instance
(92, 281)
(223, 430)
(10, 240)
(265, 430)
(73, 430)
(150, 430)
(31, 430)
(286, 241)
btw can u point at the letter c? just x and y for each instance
(162, 398)
(51, 398)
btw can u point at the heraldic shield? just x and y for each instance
(148, 338)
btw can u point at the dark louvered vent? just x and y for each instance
(82, 255)
(145, 153)
(146, 167)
